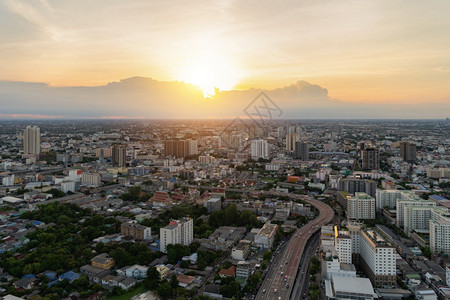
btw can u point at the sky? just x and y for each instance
(382, 58)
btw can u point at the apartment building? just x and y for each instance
(177, 232)
(135, 231)
(361, 206)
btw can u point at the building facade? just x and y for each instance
(177, 232)
(32, 140)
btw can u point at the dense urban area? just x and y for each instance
(276, 209)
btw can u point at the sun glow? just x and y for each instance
(211, 72)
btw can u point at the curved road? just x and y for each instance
(286, 263)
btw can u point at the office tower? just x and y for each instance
(32, 140)
(408, 151)
(361, 206)
(177, 232)
(370, 159)
(374, 255)
(180, 148)
(119, 155)
(291, 139)
(302, 150)
(291, 129)
(355, 184)
(259, 149)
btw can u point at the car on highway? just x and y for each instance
(264, 290)
(275, 291)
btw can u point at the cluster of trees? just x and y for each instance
(315, 266)
(126, 254)
(62, 247)
(135, 194)
(230, 216)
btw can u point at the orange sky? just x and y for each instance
(360, 51)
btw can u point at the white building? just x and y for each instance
(343, 246)
(68, 186)
(177, 232)
(387, 198)
(206, 159)
(341, 287)
(440, 234)
(266, 236)
(335, 267)
(259, 149)
(8, 180)
(241, 251)
(243, 270)
(377, 257)
(93, 179)
(409, 199)
(361, 206)
(32, 140)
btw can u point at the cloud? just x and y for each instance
(140, 97)
(28, 116)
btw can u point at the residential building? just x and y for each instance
(375, 256)
(291, 139)
(135, 231)
(136, 272)
(343, 246)
(302, 150)
(32, 140)
(243, 270)
(440, 234)
(241, 251)
(103, 261)
(119, 155)
(370, 159)
(259, 149)
(177, 232)
(356, 184)
(361, 206)
(387, 198)
(93, 179)
(266, 236)
(341, 287)
(213, 204)
(68, 186)
(8, 180)
(408, 152)
(181, 148)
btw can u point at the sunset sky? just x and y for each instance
(364, 52)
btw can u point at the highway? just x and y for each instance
(280, 278)
(301, 283)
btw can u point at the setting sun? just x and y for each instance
(210, 72)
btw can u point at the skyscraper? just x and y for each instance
(370, 159)
(119, 155)
(32, 140)
(259, 149)
(302, 150)
(408, 151)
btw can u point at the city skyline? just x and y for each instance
(318, 60)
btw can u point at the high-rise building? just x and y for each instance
(440, 233)
(177, 232)
(291, 139)
(259, 149)
(375, 256)
(370, 159)
(361, 206)
(343, 246)
(387, 198)
(181, 148)
(32, 140)
(119, 155)
(355, 184)
(408, 151)
(302, 150)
